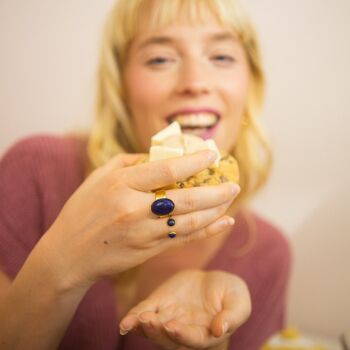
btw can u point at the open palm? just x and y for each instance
(193, 309)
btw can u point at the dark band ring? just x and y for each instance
(162, 206)
(172, 234)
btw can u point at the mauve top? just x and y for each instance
(38, 175)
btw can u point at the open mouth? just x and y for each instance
(196, 123)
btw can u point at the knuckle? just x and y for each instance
(169, 172)
(206, 232)
(118, 178)
(189, 202)
(194, 222)
(125, 214)
(114, 190)
(113, 184)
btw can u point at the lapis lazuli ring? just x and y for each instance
(162, 206)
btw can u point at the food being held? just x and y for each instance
(171, 142)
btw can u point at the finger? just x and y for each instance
(131, 319)
(122, 160)
(220, 225)
(187, 223)
(128, 323)
(196, 198)
(154, 330)
(153, 175)
(236, 311)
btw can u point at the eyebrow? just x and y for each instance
(156, 40)
(167, 40)
(225, 36)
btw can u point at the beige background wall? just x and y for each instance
(47, 66)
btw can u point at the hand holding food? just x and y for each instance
(107, 226)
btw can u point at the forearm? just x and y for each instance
(36, 311)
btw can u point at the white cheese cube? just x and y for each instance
(193, 144)
(172, 129)
(164, 152)
(212, 146)
(173, 141)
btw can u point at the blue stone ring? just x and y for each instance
(162, 206)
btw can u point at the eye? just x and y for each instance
(158, 61)
(223, 59)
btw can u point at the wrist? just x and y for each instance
(38, 307)
(55, 269)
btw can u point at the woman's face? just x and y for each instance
(197, 75)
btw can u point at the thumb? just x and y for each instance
(234, 314)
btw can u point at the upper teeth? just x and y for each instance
(196, 120)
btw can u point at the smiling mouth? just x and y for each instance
(196, 123)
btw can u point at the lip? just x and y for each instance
(194, 111)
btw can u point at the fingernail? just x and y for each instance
(230, 221)
(169, 330)
(235, 189)
(227, 222)
(123, 332)
(211, 155)
(224, 328)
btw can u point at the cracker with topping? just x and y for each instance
(171, 142)
(227, 171)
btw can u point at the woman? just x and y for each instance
(85, 253)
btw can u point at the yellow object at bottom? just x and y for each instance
(291, 339)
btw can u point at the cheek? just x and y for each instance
(145, 90)
(236, 90)
(139, 90)
(143, 97)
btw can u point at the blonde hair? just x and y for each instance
(113, 132)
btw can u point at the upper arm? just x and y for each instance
(20, 203)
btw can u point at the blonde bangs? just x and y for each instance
(135, 15)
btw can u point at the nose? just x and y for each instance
(193, 79)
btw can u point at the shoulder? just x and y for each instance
(37, 176)
(272, 246)
(45, 145)
(45, 151)
(263, 245)
(47, 165)
(269, 234)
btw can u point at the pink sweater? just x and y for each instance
(39, 174)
